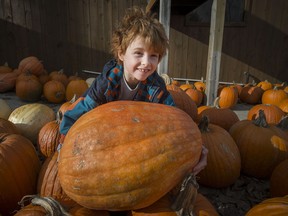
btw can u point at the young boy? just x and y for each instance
(138, 45)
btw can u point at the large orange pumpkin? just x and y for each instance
(219, 173)
(48, 184)
(277, 206)
(19, 170)
(279, 180)
(262, 146)
(126, 155)
(274, 96)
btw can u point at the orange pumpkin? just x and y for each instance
(274, 96)
(265, 85)
(279, 180)
(31, 64)
(219, 173)
(195, 95)
(183, 101)
(228, 97)
(272, 112)
(48, 182)
(262, 146)
(223, 117)
(19, 170)
(48, 137)
(54, 91)
(270, 207)
(127, 160)
(283, 105)
(59, 76)
(7, 81)
(8, 127)
(75, 87)
(29, 89)
(251, 94)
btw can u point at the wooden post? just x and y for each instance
(215, 49)
(164, 18)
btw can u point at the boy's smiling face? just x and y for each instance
(139, 61)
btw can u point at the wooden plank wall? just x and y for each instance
(75, 35)
(258, 47)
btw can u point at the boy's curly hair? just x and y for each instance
(137, 22)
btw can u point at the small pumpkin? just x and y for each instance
(7, 81)
(59, 76)
(273, 113)
(5, 110)
(265, 85)
(54, 91)
(99, 161)
(228, 97)
(274, 96)
(283, 105)
(31, 64)
(75, 87)
(251, 94)
(49, 136)
(29, 89)
(8, 127)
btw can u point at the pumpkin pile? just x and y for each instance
(136, 162)
(132, 167)
(32, 83)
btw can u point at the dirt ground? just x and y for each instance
(235, 200)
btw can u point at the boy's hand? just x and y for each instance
(202, 161)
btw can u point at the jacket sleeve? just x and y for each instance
(71, 116)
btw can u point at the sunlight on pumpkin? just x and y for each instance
(280, 143)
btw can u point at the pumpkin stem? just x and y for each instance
(261, 120)
(203, 124)
(184, 201)
(283, 123)
(51, 206)
(216, 102)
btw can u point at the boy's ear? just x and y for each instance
(120, 55)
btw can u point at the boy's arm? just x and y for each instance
(71, 116)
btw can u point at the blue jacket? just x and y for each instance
(106, 88)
